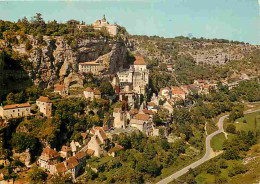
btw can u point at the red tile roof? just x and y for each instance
(65, 149)
(80, 155)
(44, 99)
(133, 111)
(139, 60)
(60, 167)
(88, 89)
(90, 63)
(90, 152)
(49, 153)
(59, 87)
(146, 111)
(84, 135)
(97, 92)
(176, 90)
(143, 117)
(116, 148)
(13, 106)
(150, 103)
(71, 162)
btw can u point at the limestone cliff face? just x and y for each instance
(55, 61)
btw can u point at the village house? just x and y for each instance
(155, 99)
(120, 118)
(71, 165)
(142, 122)
(65, 152)
(103, 23)
(15, 111)
(115, 150)
(92, 94)
(60, 89)
(45, 105)
(150, 105)
(169, 68)
(168, 105)
(178, 93)
(48, 159)
(97, 141)
(127, 96)
(75, 146)
(165, 93)
(94, 67)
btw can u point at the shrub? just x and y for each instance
(231, 129)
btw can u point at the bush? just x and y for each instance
(28, 45)
(231, 129)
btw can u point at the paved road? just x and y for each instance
(207, 155)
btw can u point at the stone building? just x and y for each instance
(48, 159)
(136, 78)
(45, 105)
(92, 94)
(97, 141)
(127, 96)
(60, 89)
(120, 118)
(93, 67)
(142, 122)
(111, 28)
(15, 110)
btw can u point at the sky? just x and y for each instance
(228, 19)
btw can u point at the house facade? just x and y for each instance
(15, 111)
(45, 105)
(94, 67)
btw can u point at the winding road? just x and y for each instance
(208, 155)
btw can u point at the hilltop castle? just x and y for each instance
(111, 28)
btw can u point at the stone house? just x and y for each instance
(120, 118)
(114, 151)
(165, 93)
(75, 146)
(142, 122)
(127, 96)
(60, 89)
(48, 159)
(15, 111)
(65, 152)
(168, 106)
(92, 94)
(45, 105)
(81, 157)
(178, 93)
(71, 165)
(97, 141)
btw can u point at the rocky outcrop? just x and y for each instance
(54, 61)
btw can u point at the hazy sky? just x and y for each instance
(229, 19)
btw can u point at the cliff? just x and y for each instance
(55, 61)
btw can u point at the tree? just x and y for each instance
(106, 88)
(231, 128)
(37, 175)
(28, 45)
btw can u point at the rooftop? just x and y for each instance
(44, 99)
(13, 106)
(139, 60)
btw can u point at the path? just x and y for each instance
(208, 155)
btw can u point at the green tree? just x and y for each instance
(37, 175)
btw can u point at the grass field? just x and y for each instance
(250, 125)
(217, 141)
